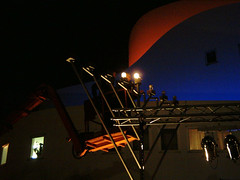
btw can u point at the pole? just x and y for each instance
(121, 104)
(141, 148)
(71, 60)
(129, 95)
(113, 115)
(138, 95)
(141, 142)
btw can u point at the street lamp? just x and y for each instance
(137, 82)
(137, 78)
(124, 75)
(125, 79)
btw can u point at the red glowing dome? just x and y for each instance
(153, 25)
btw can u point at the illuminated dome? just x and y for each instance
(190, 49)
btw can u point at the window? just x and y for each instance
(211, 57)
(196, 136)
(169, 139)
(37, 147)
(4, 154)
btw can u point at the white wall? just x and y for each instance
(57, 161)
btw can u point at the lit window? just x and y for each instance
(196, 136)
(169, 139)
(37, 147)
(4, 154)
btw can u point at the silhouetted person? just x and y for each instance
(151, 92)
(175, 101)
(163, 96)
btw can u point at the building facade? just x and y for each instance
(195, 58)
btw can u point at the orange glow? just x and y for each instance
(104, 143)
(156, 23)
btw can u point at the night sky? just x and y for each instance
(38, 36)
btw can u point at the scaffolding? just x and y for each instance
(142, 115)
(178, 114)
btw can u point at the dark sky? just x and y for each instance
(38, 36)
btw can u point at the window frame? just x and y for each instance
(32, 150)
(4, 152)
(208, 56)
